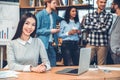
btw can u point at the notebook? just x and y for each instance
(84, 62)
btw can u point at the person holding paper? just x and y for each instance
(69, 32)
(115, 33)
(23, 51)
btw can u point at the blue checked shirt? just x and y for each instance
(98, 26)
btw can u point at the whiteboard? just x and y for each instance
(9, 17)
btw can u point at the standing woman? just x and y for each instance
(24, 50)
(69, 31)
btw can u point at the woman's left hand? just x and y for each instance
(42, 67)
(39, 68)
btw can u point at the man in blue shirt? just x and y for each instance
(46, 28)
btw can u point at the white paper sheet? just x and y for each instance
(109, 68)
(8, 73)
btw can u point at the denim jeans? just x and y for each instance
(51, 55)
(70, 51)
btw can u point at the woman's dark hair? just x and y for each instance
(67, 14)
(21, 23)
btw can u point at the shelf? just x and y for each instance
(37, 5)
(78, 6)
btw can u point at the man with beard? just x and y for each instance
(46, 28)
(98, 25)
(115, 33)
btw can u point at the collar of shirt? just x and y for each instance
(46, 13)
(72, 20)
(24, 42)
(104, 11)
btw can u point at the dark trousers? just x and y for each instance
(70, 51)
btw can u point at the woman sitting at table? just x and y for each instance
(23, 50)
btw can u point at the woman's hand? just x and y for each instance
(55, 31)
(73, 31)
(78, 31)
(39, 68)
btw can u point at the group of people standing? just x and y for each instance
(103, 33)
(25, 51)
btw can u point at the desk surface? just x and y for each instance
(51, 75)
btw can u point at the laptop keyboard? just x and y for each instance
(73, 71)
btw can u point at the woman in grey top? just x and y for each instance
(24, 50)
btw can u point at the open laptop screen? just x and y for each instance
(84, 62)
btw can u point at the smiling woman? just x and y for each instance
(28, 28)
(69, 31)
(24, 50)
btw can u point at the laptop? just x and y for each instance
(84, 62)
